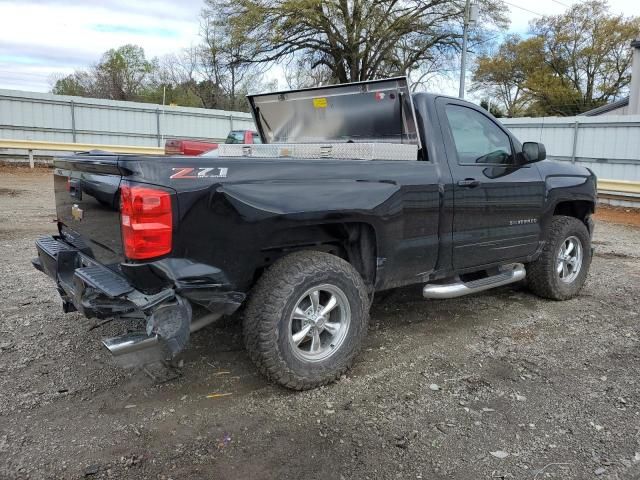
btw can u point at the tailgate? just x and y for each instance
(87, 204)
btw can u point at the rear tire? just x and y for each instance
(561, 269)
(306, 319)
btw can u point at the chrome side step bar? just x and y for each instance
(509, 274)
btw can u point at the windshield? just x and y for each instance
(236, 136)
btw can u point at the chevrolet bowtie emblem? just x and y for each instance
(76, 212)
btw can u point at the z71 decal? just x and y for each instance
(192, 172)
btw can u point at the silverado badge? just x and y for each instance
(523, 221)
(76, 212)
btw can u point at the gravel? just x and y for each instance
(497, 385)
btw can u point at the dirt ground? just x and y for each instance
(620, 215)
(498, 385)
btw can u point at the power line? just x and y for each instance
(525, 9)
(536, 13)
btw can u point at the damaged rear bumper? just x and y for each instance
(98, 291)
(89, 287)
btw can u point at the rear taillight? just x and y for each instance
(146, 221)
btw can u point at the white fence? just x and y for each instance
(609, 145)
(58, 118)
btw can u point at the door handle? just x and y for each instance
(469, 182)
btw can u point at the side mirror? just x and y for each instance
(533, 152)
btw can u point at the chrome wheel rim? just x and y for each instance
(569, 260)
(319, 323)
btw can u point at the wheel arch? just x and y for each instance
(355, 242)
(580, 209)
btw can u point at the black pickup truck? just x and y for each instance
(356, 188)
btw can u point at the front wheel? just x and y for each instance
(306, 319)
(561, 269)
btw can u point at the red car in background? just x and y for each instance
(197, 147)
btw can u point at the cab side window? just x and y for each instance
(478, 140)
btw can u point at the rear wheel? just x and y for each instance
(305, 319)
(561, 270)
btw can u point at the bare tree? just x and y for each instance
(355, 40)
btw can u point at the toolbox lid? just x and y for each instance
(374, 111)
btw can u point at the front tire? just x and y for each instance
(561, 269)
(306, 319)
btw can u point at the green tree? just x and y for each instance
(354, 40)
(588, 52)
(123, 72)
(79, 84)
(502, 75)
(572, 63)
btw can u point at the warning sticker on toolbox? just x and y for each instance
(320, 102)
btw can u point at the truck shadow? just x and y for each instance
(216, 359)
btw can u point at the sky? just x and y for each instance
(43, 38)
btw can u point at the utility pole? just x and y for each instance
(470, 17)
(164, 98)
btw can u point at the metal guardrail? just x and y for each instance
(32, 145)
(619, 187)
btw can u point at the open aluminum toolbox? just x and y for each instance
(372, 120)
